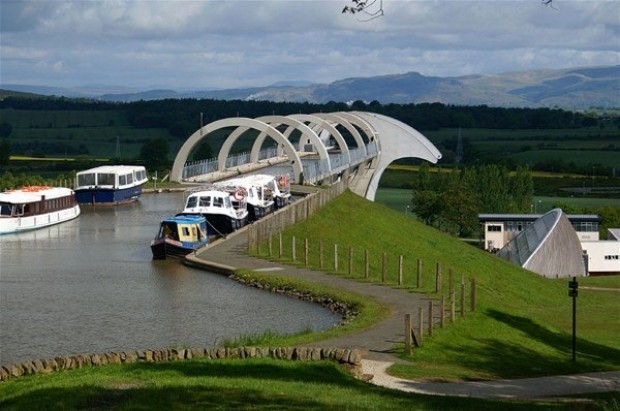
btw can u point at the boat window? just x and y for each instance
(86, 179)
(218, 201)
(185, 231)
(105, 179)
(205, 201)
(191, 202)
(228, 203)
(122, 180)
(129, 178)
(5, 209)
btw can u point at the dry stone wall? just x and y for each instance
(345, 356)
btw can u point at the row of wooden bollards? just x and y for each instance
(456, 303)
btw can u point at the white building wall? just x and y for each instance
(603, 256)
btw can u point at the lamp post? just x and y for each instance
(407, 209)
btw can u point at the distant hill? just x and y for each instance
(581, 88)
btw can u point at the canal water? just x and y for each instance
(90, 286)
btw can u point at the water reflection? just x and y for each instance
(90, 285)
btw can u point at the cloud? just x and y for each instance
(180, 44)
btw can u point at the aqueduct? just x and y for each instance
(310, 148)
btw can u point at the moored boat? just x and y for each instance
(179, 236)
(33, 207)
(110, 184)
(260, 199)
(225, 210)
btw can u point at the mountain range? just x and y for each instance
(574, 89)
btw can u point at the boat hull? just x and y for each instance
(256, 212)
(108, 196)
(20, 224)
(165, 248)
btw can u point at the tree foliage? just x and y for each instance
(154, 154)
(452, 200)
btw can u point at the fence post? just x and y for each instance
(335, 257)
(473, 294)
(366, 264)
(450, 281)
(383, 267)
(438, 277)
(442, 311)
(321, 255)
(270, 245)
(453, 307)
(280, 246)
(430, 318)
(420, 324)
(400, 270)
(293, 253)
(419, 273)
(463, 299)
(306, 252)
(408, 334)
(350, 260)
(250, 239)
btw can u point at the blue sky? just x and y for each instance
(239, 43)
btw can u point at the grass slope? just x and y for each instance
(522, 325)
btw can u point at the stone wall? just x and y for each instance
(344, 356)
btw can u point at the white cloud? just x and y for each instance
(204, 43)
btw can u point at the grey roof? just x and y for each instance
(533, 217)
(549, 246)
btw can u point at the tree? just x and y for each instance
(5, 152)
(5, 130)
(155, 154)
(426, 204)
(203, 152)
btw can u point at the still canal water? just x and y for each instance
(90, 285)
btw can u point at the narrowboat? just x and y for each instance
(33, 207)
(179, 236)
(225, 210)
(110, 185)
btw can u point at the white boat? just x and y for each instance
(33, 207)
(265, 193)
(110, 184)
(260, 197)
(225, 210)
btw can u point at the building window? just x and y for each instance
(494, 228)
(611, 257)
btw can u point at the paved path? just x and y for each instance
(377, 342)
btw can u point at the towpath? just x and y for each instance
(377, 343)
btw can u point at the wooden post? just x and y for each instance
(321, 255)
(306, 252)
(350, 260)
(473, 294)
(450, 281)
(250, 239)
(293, 253)
(462, 300)
(366, 264)
(453, 307)
(335, 257)
(408, 334)
(280, 246)
(438, 278)
(442, 308)
(257, 231)
(430, 318)
(400, 270)
(383, 268)
(419, 273)
(270, 245)
(420, 324)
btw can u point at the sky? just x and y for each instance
(202, 44)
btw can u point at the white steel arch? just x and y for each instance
(293, 124)
(177, 168)
(335, 118)
(323, 124)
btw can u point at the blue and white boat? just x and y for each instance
(225, 209)
(179, 236)
(110, 184)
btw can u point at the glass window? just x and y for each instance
(105, 179)
(122, 180)
(129, 178)
(86, 179)
(205, 201)
(191, 202)
(494, 228)
(5, 209)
